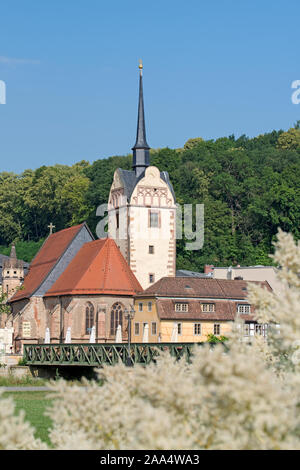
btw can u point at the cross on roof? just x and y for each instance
(51, 226)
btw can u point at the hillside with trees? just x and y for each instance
(249, 188)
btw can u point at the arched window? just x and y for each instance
(116, 318)
(89, 318)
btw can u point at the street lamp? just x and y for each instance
(129, 314)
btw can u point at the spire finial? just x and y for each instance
(141, 66)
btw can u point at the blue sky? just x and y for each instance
(211, 68)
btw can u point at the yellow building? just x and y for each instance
(182, 309)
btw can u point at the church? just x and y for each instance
(75, 282)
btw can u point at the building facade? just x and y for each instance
(183, 309)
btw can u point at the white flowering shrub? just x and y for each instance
(15, 432)
(244, 398)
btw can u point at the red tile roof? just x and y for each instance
(201, 287)
(98, 268)
(46, 258)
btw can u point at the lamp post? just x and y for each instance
(129, 314)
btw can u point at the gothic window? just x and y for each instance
(89, 318)
(116, 318)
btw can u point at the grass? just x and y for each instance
(34, 404)
(10, 381)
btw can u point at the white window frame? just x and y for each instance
(244, 309)
(137, 324)
(197, 325)
(208, 307)
(219, 326)
(181, 307)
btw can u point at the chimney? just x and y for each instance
(208, 268)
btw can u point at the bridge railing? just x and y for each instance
(82, 354)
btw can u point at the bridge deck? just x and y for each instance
(101, 353)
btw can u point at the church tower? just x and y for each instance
(12, 273)
(142, 211)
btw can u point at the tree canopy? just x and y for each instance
(249, 188)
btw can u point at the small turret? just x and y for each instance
(12, 273)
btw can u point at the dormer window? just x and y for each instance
(181, 307)
(243, 308)
(208, 307)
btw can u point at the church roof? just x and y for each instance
(49, 254)
(98, 268)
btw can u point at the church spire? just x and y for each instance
(141, 156)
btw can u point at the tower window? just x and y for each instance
(151, 278)
(153, 219)
(151, 249)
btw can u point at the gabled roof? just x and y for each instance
(202, 288)
(98, 268)
(49, 254)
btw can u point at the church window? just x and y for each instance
(116, 318)
(117, 219)
(89, 318)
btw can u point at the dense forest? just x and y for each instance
(249, 188)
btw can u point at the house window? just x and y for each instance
(180, 307)
(153, 328)
(179, 328)
(246, 329)
(140, 306)
(89, 318)
(217, 329)
(243, 308)
(197, 329)
(151, 249)
(136, 329)
(208, 307)
(116, 318)
(151, 278)
(149, 306)
(153, 219)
